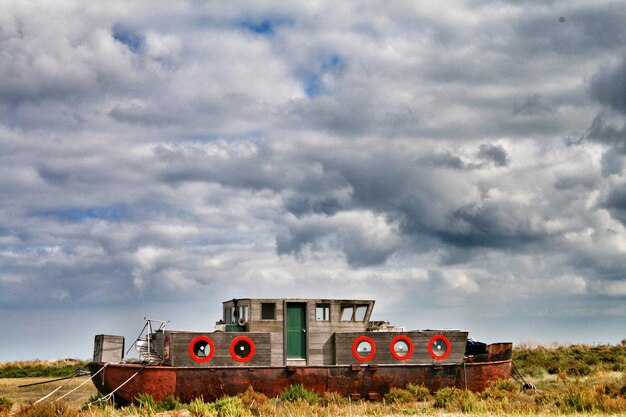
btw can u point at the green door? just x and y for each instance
(296, 331)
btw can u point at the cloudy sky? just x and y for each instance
(463, 163)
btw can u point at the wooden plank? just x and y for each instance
(180, 355)
(382, 342)
(108, 348)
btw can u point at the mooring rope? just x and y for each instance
(76, 373)
(517, 374)
(55, 390)
(83, 383)
(110, 394)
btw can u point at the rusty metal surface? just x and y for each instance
(157, 381)
(356, 381)
(495, 352)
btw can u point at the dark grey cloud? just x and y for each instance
(532, 106)
(615, 202)
(608, 86)
(493, 153)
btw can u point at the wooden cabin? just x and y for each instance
(303, 332)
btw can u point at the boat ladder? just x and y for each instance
(145, 342)
(145, 348)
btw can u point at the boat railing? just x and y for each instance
(143, 344)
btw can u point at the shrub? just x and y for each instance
(146, 402)
(419, 392)
(170, 403)
(578, 399)
(199, 408)
(298, 392)
(5, 404)
(505, 385)
(412, 392)
(399, 396)
(33, 369)
(222, 407)
(575, 360)
(47, 409)
(454, 399)
(256, 402)
(230, 407)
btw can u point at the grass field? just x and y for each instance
(580, 380)
(9, 387)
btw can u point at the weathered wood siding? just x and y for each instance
(108, 348)
(383, 355)
(320, 340)
(180, 356)
(274, 327)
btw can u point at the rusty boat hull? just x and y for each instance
(369, 381)
(271, 344)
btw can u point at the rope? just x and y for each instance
(140, 333)
(69, 379)
(110, 395)
(83, 383)
(58, 388)
(517, 374)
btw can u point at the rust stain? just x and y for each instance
(358, 382)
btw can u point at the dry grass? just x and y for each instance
(9, 387)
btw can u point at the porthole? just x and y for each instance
(401, 347)
(242, 349)
(363, 348)
(439, 347)
(201, 349)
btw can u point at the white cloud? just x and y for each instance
(614, 288)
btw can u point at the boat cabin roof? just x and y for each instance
(324, 309)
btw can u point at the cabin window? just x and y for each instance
(268, 311)
(232, 315)
(346, 313)
(354, 312)
(229, 315)
(244, 313)
(359, 313)
(322, 312)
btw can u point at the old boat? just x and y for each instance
(271, 344)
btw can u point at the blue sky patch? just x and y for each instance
(132, 39)
(266, 26)
(313, 85)
(314, 81)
